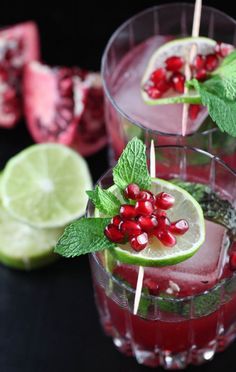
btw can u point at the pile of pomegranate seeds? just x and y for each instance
(146, 218)
(172, 77)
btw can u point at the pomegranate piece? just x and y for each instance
(193, 111)
(201, 75)
(130, 228)
(54, 101)
(211, 62)
(132, 191)
(144, 208)
(232, 260)
(163, 223)
(116, 220)
(151, 285)
(177, 81)
(199, 62)
(91, 134)
(179, 227)
(127, 211)
(147, 223)
(223, 50)
(166, 238)
(153, 92)
(174, 63)
(19, 45)
(158, 75)
(146, 195)
(139, 242)
(164, 201)
(114, 234)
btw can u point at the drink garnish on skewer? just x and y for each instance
(213, 82)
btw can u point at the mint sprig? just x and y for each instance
(87, 234)
(105, 201)
(132, 166)
(84, 236)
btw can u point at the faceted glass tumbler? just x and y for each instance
(173, 20)
(188, 333)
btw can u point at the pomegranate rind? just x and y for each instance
(91, 133)
(28, 34)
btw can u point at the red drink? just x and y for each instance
(187, 311)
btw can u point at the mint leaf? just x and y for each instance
(226, 74)
(132, 166)
(105, 201)
(221, 109)
(84, 236)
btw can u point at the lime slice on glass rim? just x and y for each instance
(178, 48)
(156, 254)
(44, 185)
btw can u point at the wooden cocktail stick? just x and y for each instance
(190, 57)
(139, 286)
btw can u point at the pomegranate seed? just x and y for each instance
(166, 238)
(162, 86)
(130, 228)
(201, 75)
(222, 50)
(146, 195)
(193, 111)
(232, 261)
(174, 63)
(114, 234)
(66, 87)
(179, 227)
(199, 62)
(153, 92)
(151, 285)
(139, 242)
(127, 211)
(177, 81)
(159, 213)
(158, 75)
(3, 74)
(144, 208)
(132, 191)
(163, 223)
(147, 223)
(9, 94)
(116, 220)
(164, 201)
(211, 62)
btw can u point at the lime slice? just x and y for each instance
(177, 47)
(23, 246)
(44, 185)
(156, 254)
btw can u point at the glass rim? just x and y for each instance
(109, 95)
(216, 286)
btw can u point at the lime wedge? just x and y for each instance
(176, 47)
(25, 247)
(44, 186)
(156, 254)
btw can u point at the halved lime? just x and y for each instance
(178, 47)
(156, 254)
(25, 247)
(44, 185)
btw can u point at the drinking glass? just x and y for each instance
(173, 332)
(162, 23)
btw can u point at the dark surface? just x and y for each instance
(48, 320)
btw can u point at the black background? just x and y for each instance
(48, 320)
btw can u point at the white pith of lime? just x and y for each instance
(44, 185)
(156, 254)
